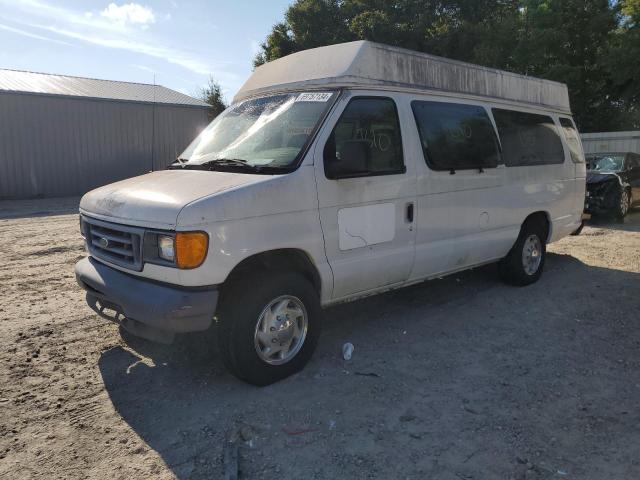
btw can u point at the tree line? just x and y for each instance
(591, 45)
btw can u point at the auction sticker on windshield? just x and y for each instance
(314, 97)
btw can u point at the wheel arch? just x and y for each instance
(543, 218)
(291, 259)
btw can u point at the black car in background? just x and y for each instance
(613, 183)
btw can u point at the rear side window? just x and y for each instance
(528, 139)
(571, 136)
(372, 121)
(455, 136)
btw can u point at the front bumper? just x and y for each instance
(601, 199)
(600, 204)
(146, 309)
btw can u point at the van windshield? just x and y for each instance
(267, 133)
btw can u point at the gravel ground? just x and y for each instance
(460, 378)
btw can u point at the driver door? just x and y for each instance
(367, 216)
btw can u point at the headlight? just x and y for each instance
(191, 249)
(180, 249)
(166, 249)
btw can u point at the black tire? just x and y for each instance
(624, 204)
(512, 268)
(241, 305)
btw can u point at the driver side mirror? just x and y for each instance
(352, 159)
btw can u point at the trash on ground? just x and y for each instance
(347, 351)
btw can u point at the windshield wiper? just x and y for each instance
(228, 162)
(225, 162)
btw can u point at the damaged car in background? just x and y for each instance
(613, 183)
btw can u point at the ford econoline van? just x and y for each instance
(336, 173)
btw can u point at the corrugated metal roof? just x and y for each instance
(48, 84)
(366, 64)
(610, 135)
(609, 142)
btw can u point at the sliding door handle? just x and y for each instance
(409, 216)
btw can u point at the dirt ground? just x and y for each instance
(460, 378)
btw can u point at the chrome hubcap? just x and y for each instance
(281, 330)
(532, 254)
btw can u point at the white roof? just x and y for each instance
(65, 85)
(366, 64)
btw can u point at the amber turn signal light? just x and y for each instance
(191, 249)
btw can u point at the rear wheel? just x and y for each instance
(269, 326)
(524, 263)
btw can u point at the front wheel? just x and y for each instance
(624, 204)
(524, 263)
(269, 326)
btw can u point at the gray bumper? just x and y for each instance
(144, 308)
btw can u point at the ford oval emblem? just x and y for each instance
(103, 242)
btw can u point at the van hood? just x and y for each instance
(156, 199)
(594, 177)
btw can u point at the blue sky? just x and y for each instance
(180, 41)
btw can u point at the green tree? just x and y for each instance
(308, 24)
(470, 30)
(624, 64)
(212, 94)
(567, 41)
(591, 45)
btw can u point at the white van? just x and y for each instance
(337, 172)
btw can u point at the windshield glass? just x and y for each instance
(606, 163)
(267, 132)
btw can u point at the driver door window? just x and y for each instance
(369, 130)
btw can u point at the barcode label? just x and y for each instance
(314, 97)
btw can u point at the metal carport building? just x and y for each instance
(62, 135)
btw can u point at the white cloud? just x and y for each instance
(168, 54)
(67, 26)
(144, 68)
(104, 32)
(24, 33)
(129, 13)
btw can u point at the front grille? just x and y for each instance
(117, 244)
(601, 188)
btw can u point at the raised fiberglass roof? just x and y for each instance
(48, 84)
(373, 65)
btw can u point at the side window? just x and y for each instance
(571, 136)
(365, 141)
(455, 136)
(528, 139)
